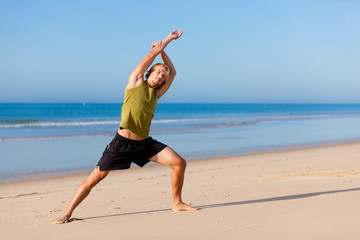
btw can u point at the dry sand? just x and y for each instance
(302, 194)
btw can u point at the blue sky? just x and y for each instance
(231, 51)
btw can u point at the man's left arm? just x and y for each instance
(166, 85)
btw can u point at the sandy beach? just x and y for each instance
(308, 194)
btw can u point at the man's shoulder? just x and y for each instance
(133, 83)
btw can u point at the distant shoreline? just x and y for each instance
(33, 175)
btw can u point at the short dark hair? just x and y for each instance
(147, 74)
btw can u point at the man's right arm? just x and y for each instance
(137, 76)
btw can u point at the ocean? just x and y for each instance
(49, 138)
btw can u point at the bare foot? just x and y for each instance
(183, 207)
(62, 220)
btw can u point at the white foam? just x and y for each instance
(215, 119)
(58, 124)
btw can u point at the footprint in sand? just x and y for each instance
(55, 210)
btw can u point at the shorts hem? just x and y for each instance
(111, 169)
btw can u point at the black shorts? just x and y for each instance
(121, 152)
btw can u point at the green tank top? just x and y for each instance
(138, 109)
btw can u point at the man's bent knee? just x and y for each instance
(180, 163)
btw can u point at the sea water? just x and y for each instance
(43, 138)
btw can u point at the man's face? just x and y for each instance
(157, 77)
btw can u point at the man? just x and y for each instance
(132, 142)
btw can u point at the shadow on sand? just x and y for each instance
(273, 199)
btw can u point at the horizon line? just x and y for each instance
(84, 103)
